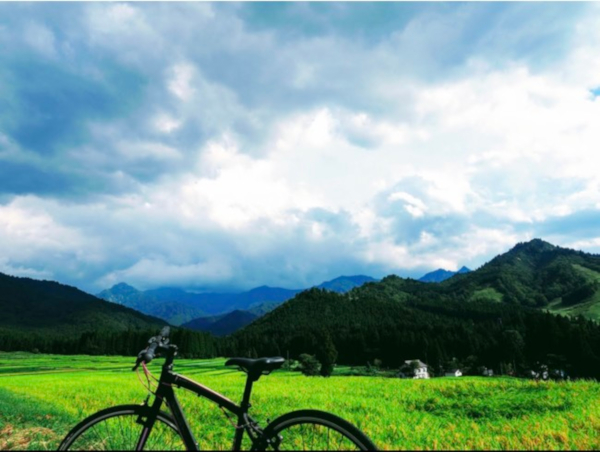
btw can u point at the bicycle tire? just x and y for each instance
(117, 428)
(313, 430)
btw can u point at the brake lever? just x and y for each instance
(140, 359)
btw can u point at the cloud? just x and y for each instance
(233, 145)
(167, 274)
(41, 39)
(33, 242)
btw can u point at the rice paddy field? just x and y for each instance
(43, 396)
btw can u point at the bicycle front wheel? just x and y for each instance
(314, 430)
(120, 428)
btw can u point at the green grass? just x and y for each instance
(589, 308)
(43, 396)
(589, 273)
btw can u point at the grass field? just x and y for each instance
(43, 396)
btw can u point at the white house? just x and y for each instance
(454, 373)
(416, 367)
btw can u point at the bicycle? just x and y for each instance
(148, 427)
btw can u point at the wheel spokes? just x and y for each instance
(122, 432)
(312, 436)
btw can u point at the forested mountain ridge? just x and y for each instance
(50, 317)
(238, 318)
(535, 274)
(485, 316)
(27, 303)
(496, 316)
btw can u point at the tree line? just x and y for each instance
(191, 344)
(364, 326)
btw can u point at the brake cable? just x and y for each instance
(146, 386)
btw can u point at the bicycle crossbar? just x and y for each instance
(203, 391)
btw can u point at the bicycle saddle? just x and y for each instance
(257, 367)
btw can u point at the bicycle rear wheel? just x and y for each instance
(314, 430)
(119, 428)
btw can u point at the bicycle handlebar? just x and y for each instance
(147, 355)
(164, 333)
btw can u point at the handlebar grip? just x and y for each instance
(147, 355)
(164, 333)
(150, 351)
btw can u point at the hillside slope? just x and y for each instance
(536, 274)
(496, 314)
(28, 304)
(223, 324)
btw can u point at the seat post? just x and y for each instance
(243, 414)
(248, 391)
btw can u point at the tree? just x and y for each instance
(327, 354)
(309, 365)
(514, 345)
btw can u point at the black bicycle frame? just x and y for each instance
(166, 394)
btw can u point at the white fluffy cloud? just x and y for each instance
(203, 147)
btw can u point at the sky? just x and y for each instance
(224, 146)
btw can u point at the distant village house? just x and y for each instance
(414, 368)
(454, 373)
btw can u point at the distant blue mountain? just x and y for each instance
(178, 307)
(441, 275)
(345, 283)
(223, 324)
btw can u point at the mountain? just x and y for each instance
(120, 293)
(261, 295)
(28, 304)
(226, 324)
(179, 307)
(261, 309)
(497, 315)
(536, 274)
(346, 283)
(442, 275)
(49, 317)
(438, 275)
(222, 325)
(173, 305)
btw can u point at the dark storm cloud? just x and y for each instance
(52, 105)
